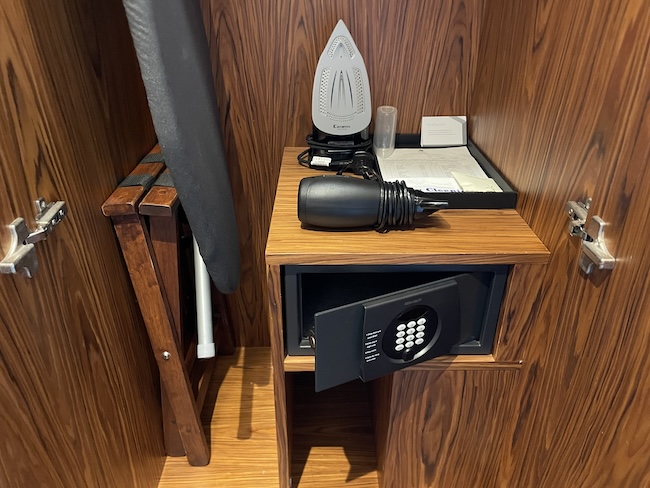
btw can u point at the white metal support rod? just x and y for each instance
(205, 341)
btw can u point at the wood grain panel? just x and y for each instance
(280, 387)
(80, 402)
(381, 390)
(333, 437)
(561, 107)
(433, 417)
(550, 92)
(420, 55)
(447, 237)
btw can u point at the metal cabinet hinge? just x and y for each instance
(594, 253)
(577, 212)
(48, 216)
(21, 257)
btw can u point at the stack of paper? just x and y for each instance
(443, 164)
(433, 170)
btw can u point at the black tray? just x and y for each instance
(505, 199)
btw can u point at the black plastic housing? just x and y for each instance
(338, 202)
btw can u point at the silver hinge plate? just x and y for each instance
(48, 216)
(577, 212)
(594, 253)
(21, 257)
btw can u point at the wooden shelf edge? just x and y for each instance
(466, 362)
(276, 258)
(297, 364)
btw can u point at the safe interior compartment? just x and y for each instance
(333, 300)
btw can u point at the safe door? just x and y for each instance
(372, 338)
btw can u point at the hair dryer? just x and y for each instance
(344, 202)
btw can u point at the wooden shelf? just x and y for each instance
(447, 237)
(296, 364)
(333, 436)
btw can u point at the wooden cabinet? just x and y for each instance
(417, 410)
(555, 94)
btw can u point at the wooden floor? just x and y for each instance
(333, 439)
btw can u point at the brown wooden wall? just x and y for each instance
(561, 106)
(420, 56)
(79, 404)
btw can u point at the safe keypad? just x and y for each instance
(410, 334)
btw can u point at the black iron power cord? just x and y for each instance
(336, 155)
(356, 159)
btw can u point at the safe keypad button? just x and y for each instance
(401, 333)
(399, 347)
(421, 321)
(401, 327)
(408, 345)
(420, 328)
(419, 341)
(400, 340)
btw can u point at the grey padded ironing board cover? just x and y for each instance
(172, 50)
